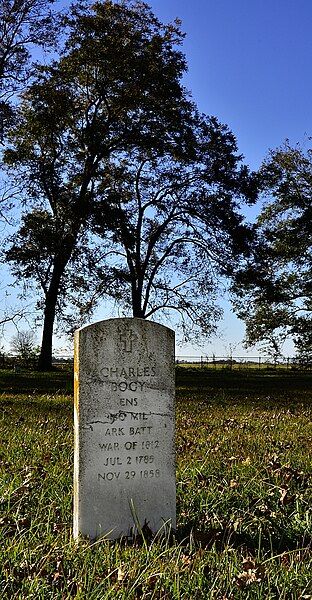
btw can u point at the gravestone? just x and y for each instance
(124, 465)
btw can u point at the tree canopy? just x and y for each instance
(116, 87)
(24, 25)
(114, 160)
(274, 289)
(176, 229)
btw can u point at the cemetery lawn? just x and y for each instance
(244, 480)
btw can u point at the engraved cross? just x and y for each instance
(126, 339)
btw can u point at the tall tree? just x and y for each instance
(116, 87)
(176, 229)
(31, 254)
(274, 290)
(24, 24)
(23, 346)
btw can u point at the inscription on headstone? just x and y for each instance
(124, 466)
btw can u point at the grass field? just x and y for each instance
(243, 495)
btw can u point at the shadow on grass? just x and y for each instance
(191, 384)
(276, 540)
(245, 384)
(53, 382)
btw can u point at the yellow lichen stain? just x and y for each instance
(76, 375)
(76, 495)
(76, 435)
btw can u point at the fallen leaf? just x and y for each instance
(233, 483)
(252, 573)
(120, 574)
(186, 560)
(248, 563)
(286, 498)
(233, 458)
(285, 560)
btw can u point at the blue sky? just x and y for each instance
(250, 65)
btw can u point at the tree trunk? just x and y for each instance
(137, 301)
(45, 358)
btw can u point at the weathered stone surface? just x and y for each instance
(124, 472)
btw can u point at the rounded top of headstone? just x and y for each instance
(125, 320)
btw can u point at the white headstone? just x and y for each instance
(124, 466)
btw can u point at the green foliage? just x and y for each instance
(32, 249)
(110, 103)
(243, 491)
(23, 346)
(274, 290)
(115, 87)
(33, 246)
(172, 228)
(23, 25)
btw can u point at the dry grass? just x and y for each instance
(243, 483)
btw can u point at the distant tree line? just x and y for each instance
(127, 192)
(273, 290)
